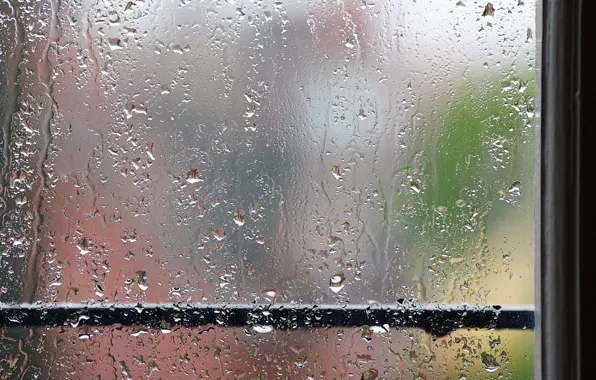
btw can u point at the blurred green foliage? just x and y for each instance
(469, 166)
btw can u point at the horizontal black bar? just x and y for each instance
(437, 320)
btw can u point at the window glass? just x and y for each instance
(234, 353)
(302, 152)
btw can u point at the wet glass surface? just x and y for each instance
(189, 151)
(226, 353)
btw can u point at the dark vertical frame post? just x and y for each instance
(587, 188)
(558, 267)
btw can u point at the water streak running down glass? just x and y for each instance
(240, 152)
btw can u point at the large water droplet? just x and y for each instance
(193, 176)
(270, 293)
(239, 217)
(379, 329)
(85, 336)
(98, 290)
(415, 187)
(300, 362)
(262, 329)
(333, 241)
(366, 334)
(337, 282)
(370, 374)
(489, 10)
(83, 247)
(142, 280)
(219, 233)
(490, 362)
(336, 171)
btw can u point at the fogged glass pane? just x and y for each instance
(214, 151)
(224, 353)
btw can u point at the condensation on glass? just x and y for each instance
(302, 152)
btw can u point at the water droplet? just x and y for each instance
(177, 49)
(150, 151)
(370, 374)
(83, 247)
(219, 233)
(84, 336)
(514, 188)
(270, 293)
(115, 44)
(350, 43)
(336, 283)
(224, 281)
(415, 187)
(300, 362)
(366, 334)
(138, 333)
(142, 280)
(490, 362)
(333, 241)
(379, 329)
(362, 358)
(129, 6)
(193, 176)
(98, 290)
(80, 318)
(489, 10)
(27, 127)
(239, 217)
(335, 171)
(262, 329)
(114, 18)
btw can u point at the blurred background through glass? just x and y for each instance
(247, 151)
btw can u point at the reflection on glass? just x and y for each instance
(287, 152)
